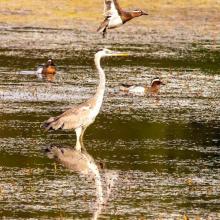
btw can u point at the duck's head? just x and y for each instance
(156, 83)
(138, 13)
(50, 62)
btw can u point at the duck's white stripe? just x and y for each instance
(39, 70)
(155, 80)
(137, 89)
(115, 21)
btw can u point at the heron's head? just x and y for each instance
(156, 82)
(109, 53)
(138, 12)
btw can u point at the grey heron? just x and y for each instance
(81, 116)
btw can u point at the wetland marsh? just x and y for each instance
(165, 149)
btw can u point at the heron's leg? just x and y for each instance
(81, 138)
(78, 142)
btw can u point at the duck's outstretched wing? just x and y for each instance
(102, 27)
(111, 8)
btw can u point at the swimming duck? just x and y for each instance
(115, 16)
(47, 68)
(141, 90)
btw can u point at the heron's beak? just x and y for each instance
(120, 54)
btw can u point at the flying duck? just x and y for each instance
(115, 16)
(142, 90)
(47, 68)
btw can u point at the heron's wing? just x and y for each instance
(111, 8)
(70, 119)
(84, 107)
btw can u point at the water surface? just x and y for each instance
(165, 148)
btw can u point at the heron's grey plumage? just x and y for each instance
(70, 119)
(81, 116)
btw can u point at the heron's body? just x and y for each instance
(115, 16)
(80, 117)
(142, 90)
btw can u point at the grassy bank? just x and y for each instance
(66, 14)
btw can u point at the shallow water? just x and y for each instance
(165, 148)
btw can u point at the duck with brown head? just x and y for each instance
(115, 16)
(47, 68)
(47, 71)
(153, 89)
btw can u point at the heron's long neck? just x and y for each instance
(101, 87)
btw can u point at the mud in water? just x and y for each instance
(165, 148)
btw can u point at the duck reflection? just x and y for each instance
(82, 162)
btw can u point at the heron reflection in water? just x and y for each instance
(82, 162)
(80, 117)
